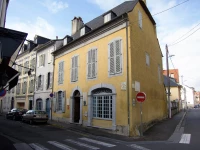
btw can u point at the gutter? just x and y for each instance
(127, 75)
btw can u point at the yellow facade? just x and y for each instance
(139, 41)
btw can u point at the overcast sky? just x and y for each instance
(51, 18)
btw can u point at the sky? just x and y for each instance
(181, 25)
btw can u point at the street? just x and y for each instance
(44, 137)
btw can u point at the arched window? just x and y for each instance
(39, 104)
(102, 103)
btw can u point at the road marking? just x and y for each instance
(22, 146)
(137, 147)
(185, 138)
(81, 144)
(37, 146)
(97, 142)
(62, 146)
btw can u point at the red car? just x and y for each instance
(16, 113)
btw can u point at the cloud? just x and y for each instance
(105, 5)
(39, 27)
(55, 6)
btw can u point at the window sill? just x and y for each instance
(59, 112)
(102, 119)
(115, 75)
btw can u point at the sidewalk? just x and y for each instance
(159, 132)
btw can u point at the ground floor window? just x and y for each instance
(39, 104)
(102, 106)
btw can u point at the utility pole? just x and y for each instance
(168, 93)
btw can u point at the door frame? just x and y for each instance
(72, 105)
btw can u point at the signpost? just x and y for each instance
(140, 97)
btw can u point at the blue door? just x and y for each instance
(48, 107)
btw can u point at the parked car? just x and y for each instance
(33, 116)
(16, 113)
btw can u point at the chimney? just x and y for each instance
(77, 23)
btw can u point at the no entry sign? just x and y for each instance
(140, 97)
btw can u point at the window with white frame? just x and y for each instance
(61, 72)
(18, 88)
(82, 31)
(140, 19)
(147, 59)
(24, 87)
(39, 104)
(49, 80)
(74, 70)
(92, 63)
(41, 60)
(33, 61)
(102, 106)
(107, 17)
(172, 75)
(59, 104)
(40, 81)
(102, 103)
(159, 74)
(115, 57)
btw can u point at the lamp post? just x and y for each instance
(168, 80)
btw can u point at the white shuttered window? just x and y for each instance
(115, 57)
(61, 73)
(92, 63)
(74, 70)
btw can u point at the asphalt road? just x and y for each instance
(48, 137)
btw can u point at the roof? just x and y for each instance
(119, 10)
(172, 82)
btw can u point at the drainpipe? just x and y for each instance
(127, 75)
(53, 79)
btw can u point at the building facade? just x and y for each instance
(22, 95)
(189, 94)
(44, 75)
(104, 64)
(3, 10)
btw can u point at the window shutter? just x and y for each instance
(76, 68)
(89, 64)
(62, 72)
(63, 101)
(111, 59)
(47, 81)
(59, 73)
(43, 60)
(54, 101)
(25, 87)
(42, 82)
(72, 70)
(57, 105)
(118, 56)
(51, 79)
(93, 63)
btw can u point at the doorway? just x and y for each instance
(76, 106)
(30, 104)
(48, 107)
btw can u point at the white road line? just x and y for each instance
(185, 138)
(37, 146)
(97, 142)
(81, 144)
(137, 147)
(61, 146)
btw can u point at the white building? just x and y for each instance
(3, 10)
(44, 75)
(188, 97)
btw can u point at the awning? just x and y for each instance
(11, 42)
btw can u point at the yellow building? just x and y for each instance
(104, 64)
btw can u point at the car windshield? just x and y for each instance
(40, 112)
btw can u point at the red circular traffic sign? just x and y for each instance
(140, 97)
